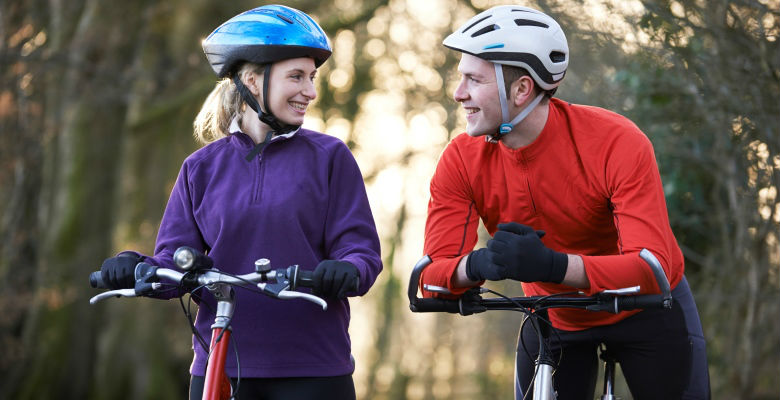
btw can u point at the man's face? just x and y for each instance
(477, 92)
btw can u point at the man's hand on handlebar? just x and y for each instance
(119, 272)
(516, 252)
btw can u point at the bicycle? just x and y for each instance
(199, 273)
(614, 301)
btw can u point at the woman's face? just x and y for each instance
(291, 89)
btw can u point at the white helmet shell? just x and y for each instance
(517, 36)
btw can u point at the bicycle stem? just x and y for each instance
(225, 296)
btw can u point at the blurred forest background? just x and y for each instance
(97, 99)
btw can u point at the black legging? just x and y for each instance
(661, 354)
(310, 388)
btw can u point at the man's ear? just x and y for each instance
(521, 90)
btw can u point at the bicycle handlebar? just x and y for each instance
(278, 283)
(471, 301)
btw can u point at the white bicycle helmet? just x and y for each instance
(517, 36)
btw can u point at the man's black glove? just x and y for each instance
(480, 268)
(516, 252)
(119, 272)
(333, 279)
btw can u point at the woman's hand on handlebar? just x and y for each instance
(334, 279)
(119, 272)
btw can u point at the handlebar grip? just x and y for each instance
(96, 280)
(435, 305)
(645, 301)
(305, 278)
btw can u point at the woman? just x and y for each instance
(263, 187)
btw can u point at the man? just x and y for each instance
(571, 194)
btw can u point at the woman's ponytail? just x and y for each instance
(221, 106)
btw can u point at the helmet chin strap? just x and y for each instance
(507, 125)
(267, 117)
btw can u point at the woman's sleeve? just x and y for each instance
(350, 232)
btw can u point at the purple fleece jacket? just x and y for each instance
(300, 201)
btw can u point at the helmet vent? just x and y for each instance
(557, 56)
(489, 28)
(284, 18)
(528, 22)
(475, 22)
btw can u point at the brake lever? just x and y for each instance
(622, 292)
(113, 293)
(436, 289)
(290, 294)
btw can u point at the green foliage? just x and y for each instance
(709, 104)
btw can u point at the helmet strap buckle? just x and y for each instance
(508, 125)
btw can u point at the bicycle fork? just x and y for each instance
(609, 374)
(217, 385)
(543, 384)
(543, 388)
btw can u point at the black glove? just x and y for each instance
(518, 249)
(333, 279)
(119, 272)
(480, 266)
(516, 252)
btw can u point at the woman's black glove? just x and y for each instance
(516, 252)
(334, 279)
(119, 272)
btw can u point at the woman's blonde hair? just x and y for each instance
(221, 106)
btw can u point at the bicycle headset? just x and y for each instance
(263, 36)
(520, 37)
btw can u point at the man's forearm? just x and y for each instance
(575, 273)
(461, 279)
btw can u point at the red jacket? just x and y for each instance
(590, 180)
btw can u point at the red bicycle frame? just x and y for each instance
(217, 384)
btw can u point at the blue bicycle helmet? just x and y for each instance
(265, 35)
